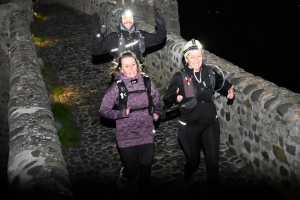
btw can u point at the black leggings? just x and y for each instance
(196, 137)
(138, 159)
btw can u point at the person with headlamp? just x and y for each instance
(135, 130)
(128, 37)
(198, 129)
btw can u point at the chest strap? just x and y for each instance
(124, 93)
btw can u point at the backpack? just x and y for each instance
(138, 38)
(185, 76)
(170, 112)
(190, 90)
(123, 95)
(187, 81)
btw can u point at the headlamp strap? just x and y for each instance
(193, 47)
(190, 48)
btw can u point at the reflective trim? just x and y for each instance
(126, 46)
(183, 123)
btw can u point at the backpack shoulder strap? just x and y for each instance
(123, 95)
(141, 39)
(212, 77)
(184, 74)
(121, 43)
(147, 83)
(188, 85)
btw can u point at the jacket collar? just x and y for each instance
(124, 29)
(138, 76)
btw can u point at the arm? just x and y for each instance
(102, 45)
(171, 95)
(108, 102)
(227, 89)
(152, 39)
(219, 81)
(156, 102)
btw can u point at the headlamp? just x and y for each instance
(191, 45)
(126, 12)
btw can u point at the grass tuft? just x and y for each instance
(55, 89)
(69, 134)
(38, 17)
(46, 69)
(37, 39)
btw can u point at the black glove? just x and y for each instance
(159, 20)
(103, 30)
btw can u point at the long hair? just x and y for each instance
(115, 70)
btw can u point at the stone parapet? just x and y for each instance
(6, 8)
(36, 165)
(144, 9)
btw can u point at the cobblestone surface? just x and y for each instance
(94, 165)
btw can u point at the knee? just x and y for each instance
(131, 174)
(193, 165)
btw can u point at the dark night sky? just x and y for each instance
(260, 36)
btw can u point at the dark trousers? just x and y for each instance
(206, 137)
(138, 160)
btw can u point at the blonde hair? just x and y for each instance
(115, 70)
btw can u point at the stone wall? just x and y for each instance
(36, 166)
(142, 8)
(6, 7)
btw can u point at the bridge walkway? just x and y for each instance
(94, 165)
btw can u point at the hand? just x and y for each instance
(103, 30)
(159, 20)
(127, 111)
(155, 116)
(179, 97)
(230, 94)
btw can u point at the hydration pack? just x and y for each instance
(190, 90)
(138, 39)
(187, 80)
(123, 95)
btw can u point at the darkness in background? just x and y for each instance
(260, 36)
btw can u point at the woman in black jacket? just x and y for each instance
(193, 88)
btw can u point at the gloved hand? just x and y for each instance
(159, 20)
(103, 30)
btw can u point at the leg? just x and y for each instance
(129, 161)
(211, 143)
(145, 157)
(190, 136)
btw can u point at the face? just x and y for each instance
(129, 67)
(127, 22)
(194, 59)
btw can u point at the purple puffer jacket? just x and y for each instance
(137, 128)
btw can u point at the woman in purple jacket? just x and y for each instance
(134, 124)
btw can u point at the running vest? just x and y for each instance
(123, 95)
(190, 90)
(187, 81)
(138, 39)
